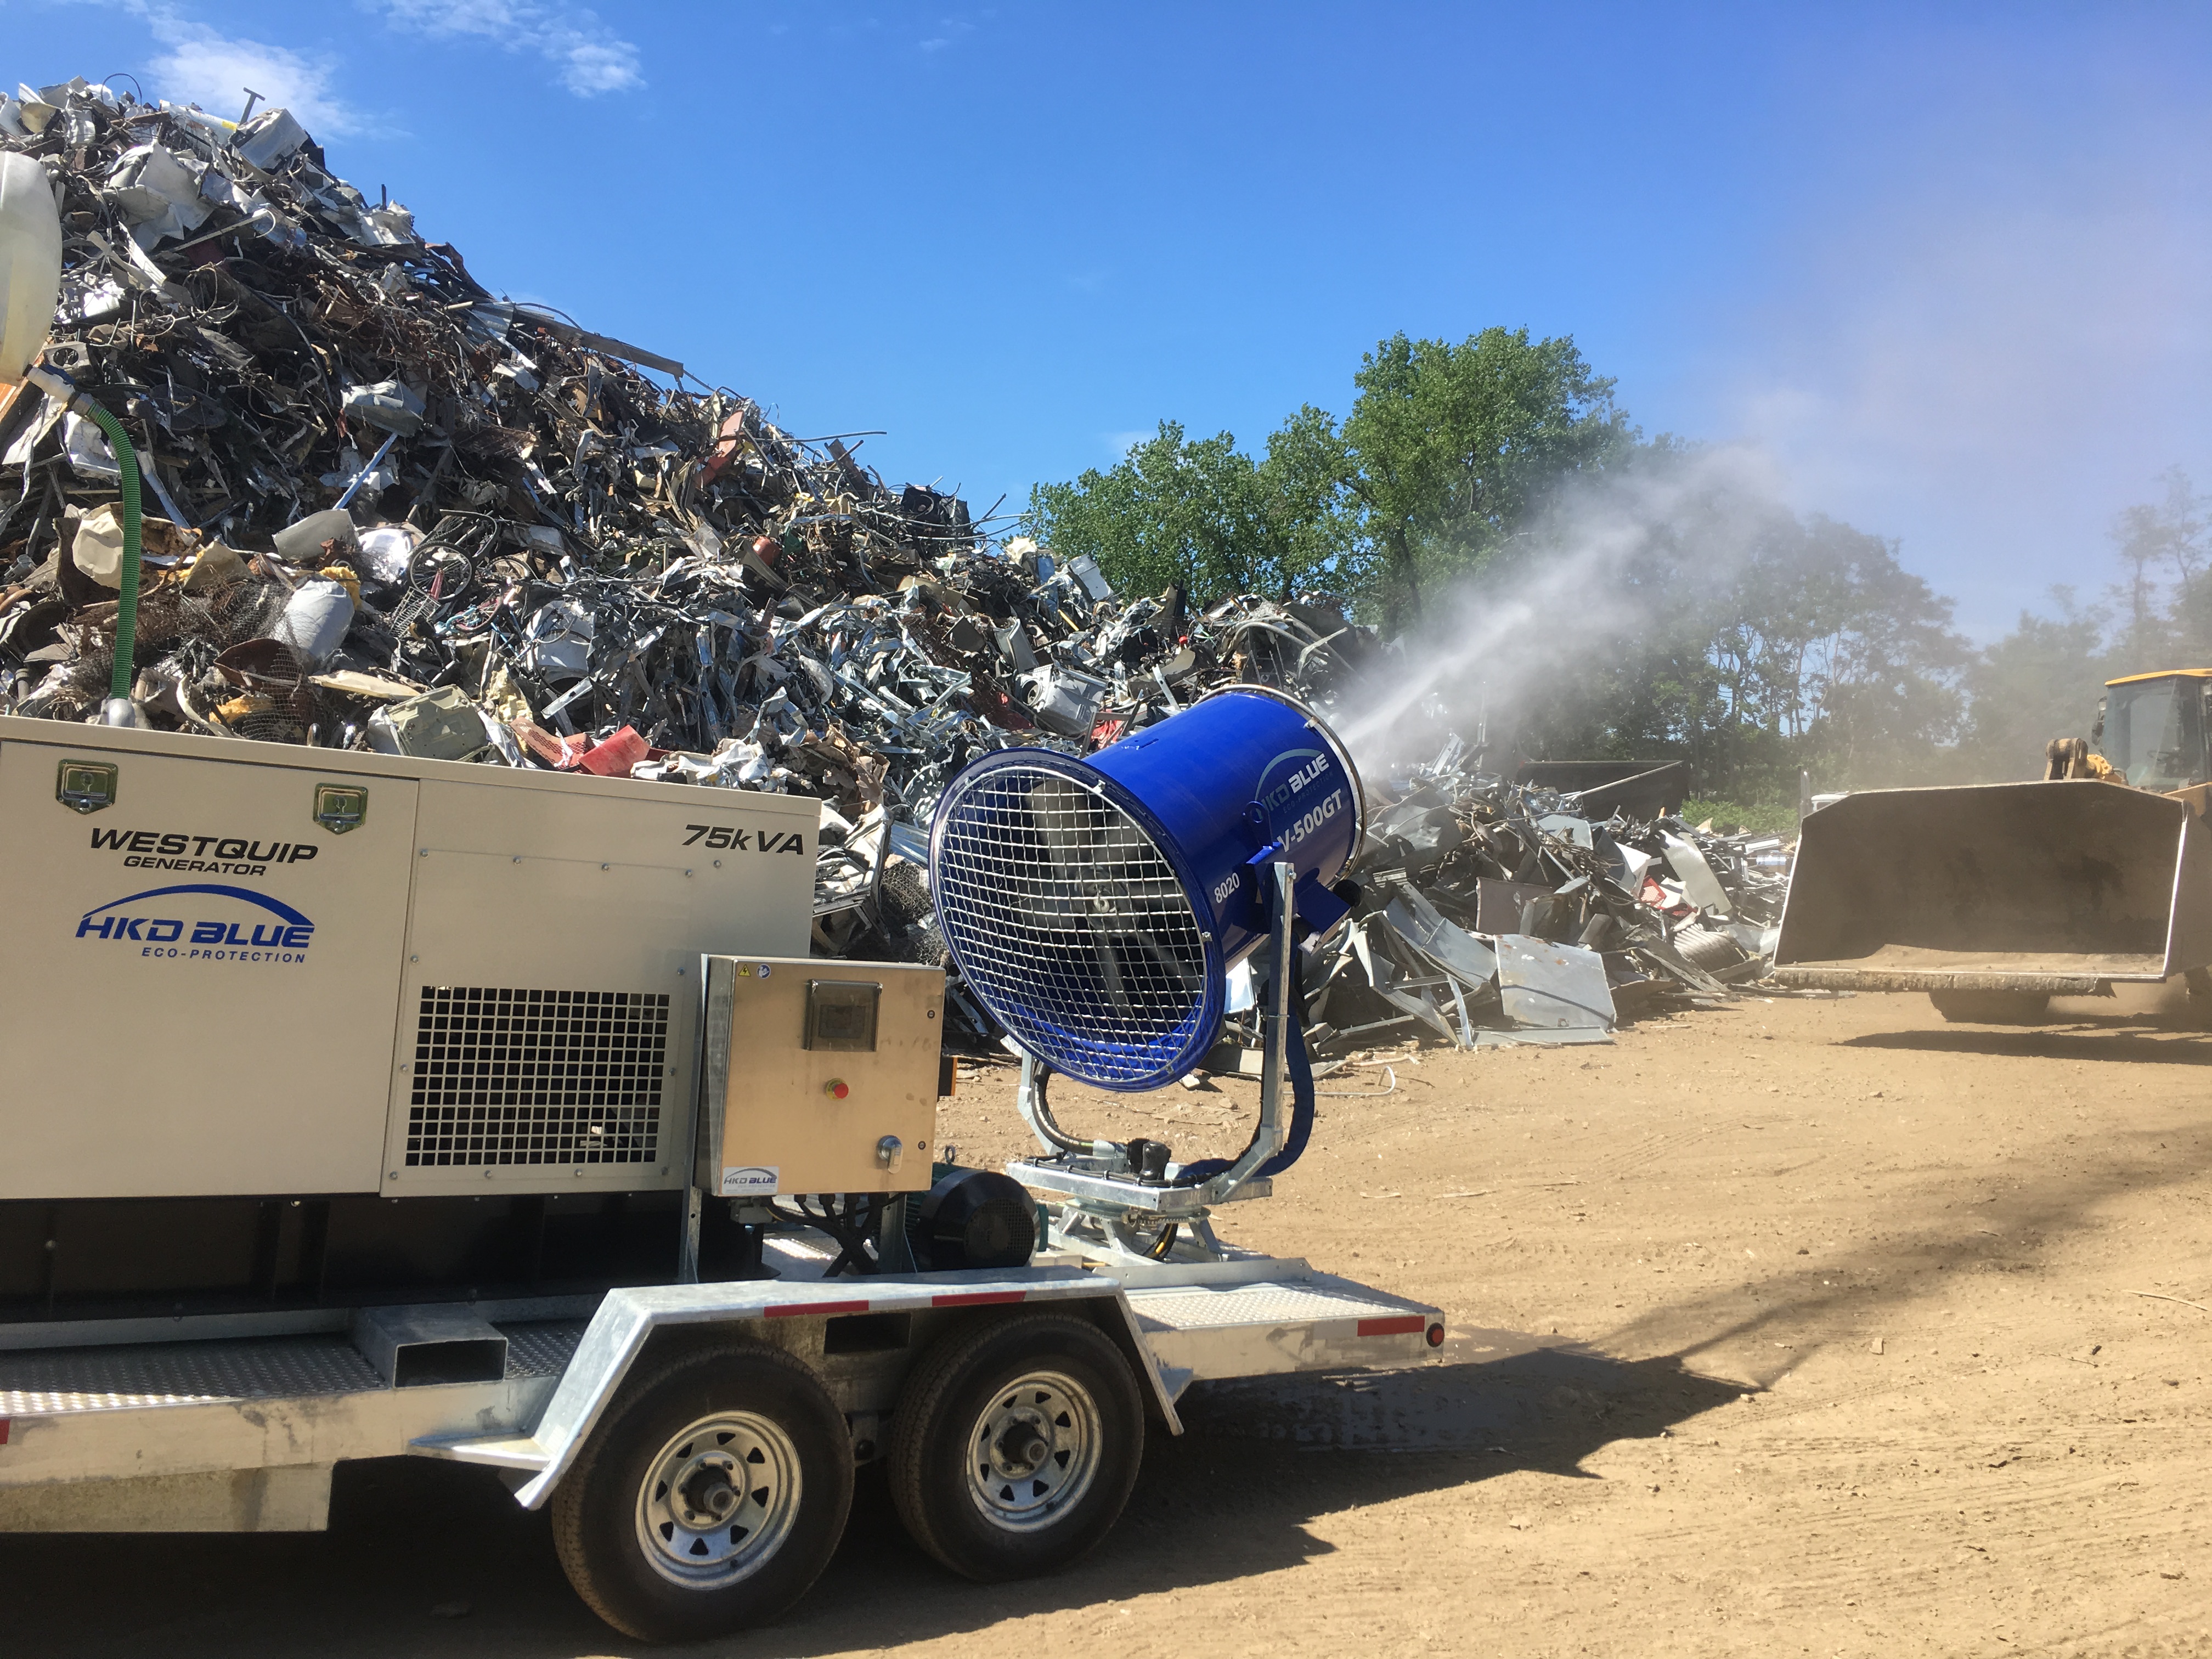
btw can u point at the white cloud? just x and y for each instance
(950, 30)
(590, 58)
(1119, 444)
(199, 66)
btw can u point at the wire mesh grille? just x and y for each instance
(505, 1076)
(1069, 923)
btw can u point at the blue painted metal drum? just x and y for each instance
(1094, 906)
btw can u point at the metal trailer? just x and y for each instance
(359, 1106)
(697, 1441)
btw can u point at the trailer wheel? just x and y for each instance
(1992, 1007)
(1014, 1445)
(709, 1498)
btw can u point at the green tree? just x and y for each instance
(1454, 446)
(1588, 593)
(1305, 484)
(2164, 546)
(2042, 680)
(1201, 514)
(1749, 642)
(2039, 682)
(1884, 673)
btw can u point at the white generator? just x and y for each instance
(297, 1027)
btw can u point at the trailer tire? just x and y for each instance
(2195, 1013)
(656, 1538)
(1015, 1444)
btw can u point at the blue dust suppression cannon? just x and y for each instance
(1094, 906)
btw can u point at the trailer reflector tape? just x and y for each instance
(5, 1422)
(977, 1298)
(790, 1310)
(1395, 1325)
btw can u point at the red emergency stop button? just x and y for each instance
(835, 1089)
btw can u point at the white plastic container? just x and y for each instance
(315, 619)
(30, 263)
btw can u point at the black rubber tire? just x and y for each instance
(2192, 1010)
(1992, 1007)
(595, 1507)
(940, 1407)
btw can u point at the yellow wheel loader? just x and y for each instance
(1994, 898)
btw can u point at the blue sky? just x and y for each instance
(1950, 267)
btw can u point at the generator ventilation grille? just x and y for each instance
(505, 1076)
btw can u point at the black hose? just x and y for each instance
(1045, 1124)
(1300, 1066)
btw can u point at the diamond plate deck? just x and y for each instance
(57, 1381)
(542, 1349)
(1270, 1327)
(1214, 1307)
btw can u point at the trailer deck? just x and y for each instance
(228, 1432)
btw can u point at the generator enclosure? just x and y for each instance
(256, 969)
(820, 1076)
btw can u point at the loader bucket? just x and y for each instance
(2050, 889)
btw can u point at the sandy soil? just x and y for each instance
(1799, 1328)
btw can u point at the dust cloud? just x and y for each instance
(1595, 574)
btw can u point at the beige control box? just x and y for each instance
(819, 1076)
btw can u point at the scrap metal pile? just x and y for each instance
(392, 511)
(1495, 912)
(389, 510)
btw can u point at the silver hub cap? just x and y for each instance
(717, 1500)
(1034, 1451)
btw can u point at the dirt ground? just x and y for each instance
(1802, 1326)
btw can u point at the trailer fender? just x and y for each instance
(1163, 1383)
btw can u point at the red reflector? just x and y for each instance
(4, 1431)
(1437, 1335)
(788, 1309)
(976, 1299)
(1396, 1325)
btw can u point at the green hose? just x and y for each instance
(120, 682)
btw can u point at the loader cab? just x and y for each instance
(2153, 727)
